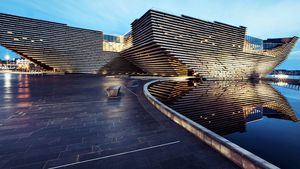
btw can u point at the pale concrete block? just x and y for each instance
(248, 164)
(216, 145)
(225, 151)
(236, 158)
(207, 140)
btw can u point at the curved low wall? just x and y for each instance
(238, 155)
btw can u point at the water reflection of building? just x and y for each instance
(23, 93)
(222, 106)
(7, 93)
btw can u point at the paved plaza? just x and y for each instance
(67, 121)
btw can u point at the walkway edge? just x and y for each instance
(235, 153)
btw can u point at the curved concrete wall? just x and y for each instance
(238, 155)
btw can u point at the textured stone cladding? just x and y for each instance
(170, 45)
(54, 45)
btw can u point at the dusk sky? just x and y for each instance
(263, 19)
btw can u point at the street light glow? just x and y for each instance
(6, 57)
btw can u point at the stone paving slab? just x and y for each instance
(52, 121)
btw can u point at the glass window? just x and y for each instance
(111, 38)
(253, 43)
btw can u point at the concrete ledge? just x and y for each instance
(238, 155)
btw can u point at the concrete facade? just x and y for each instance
(170, 45)
(54, 45)
(159, 44)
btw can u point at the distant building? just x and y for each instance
(8, 65)
(23, 64)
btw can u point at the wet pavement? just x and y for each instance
(66, 121)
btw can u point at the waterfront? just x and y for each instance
(273, 138)
(257, 116)
(66, 121)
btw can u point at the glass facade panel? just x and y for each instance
(264, 47)
(111, 38)
(270, 45)
(273, 43)
(116, 43)
(253, 43)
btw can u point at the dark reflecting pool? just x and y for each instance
(260, 117)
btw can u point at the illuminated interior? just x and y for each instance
(116, 43)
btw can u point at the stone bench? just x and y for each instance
(113, 91)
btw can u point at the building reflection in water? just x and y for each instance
(23, 92)
(7, 87)
(10, 92)
(223, 106)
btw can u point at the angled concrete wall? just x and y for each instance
(171, 45)
(162, 44)
(54, 45)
